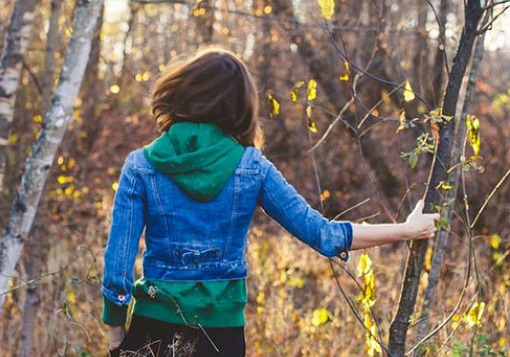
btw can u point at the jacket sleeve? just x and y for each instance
(281, 202)
(128, 221)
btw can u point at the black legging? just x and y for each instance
(167, 340)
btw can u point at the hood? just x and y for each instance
(198, 157)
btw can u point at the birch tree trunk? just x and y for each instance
(39, 162)
(15, 48)
(36, 248)
(398, 330)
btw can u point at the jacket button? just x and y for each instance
(343, 255)
(121, 297)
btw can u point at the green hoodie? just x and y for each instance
(198, 157)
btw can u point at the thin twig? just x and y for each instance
(493, 192)
(351, 208)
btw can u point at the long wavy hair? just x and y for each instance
(212, 86)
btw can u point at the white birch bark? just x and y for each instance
(15, 47)
(39, 162)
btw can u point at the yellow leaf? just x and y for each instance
(473, 126)
(293, 94)
(261, 298)
(320, 317)
(312, 89)
(13, 138)
(327, 8)
(115, 89)
(309, 112)
(146, 76)
(273, 105)
(364, 265)
(344, 77)
(444, 185)
(428, 258)
(62, 179)
(408, 93)
(268, 9)
(495, 241)
(402, 121)
(371, 343)
(325, 195)
(312, 127)
(115, 186)
(474, 315)
(69, 190)
(71, 297)
(38, 118)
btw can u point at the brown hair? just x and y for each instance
(213, 86)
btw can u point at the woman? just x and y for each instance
(193, 191)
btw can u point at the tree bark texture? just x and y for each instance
(399, 326)
(11, 63)
(450, 195)
(34, 263)
(440, 58)
(39, 162)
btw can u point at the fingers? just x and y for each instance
(419, 206)
(434, 216)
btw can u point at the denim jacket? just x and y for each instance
(187, 240)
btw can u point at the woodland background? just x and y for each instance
(352, 104)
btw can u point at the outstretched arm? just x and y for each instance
(418, 225)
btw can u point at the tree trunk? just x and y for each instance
(91, 126)
(450, 195)
(52, 43)
(133, 11)
(398, 330)
(15, 48)
(440, 58)
(36, 254)
(204, 21)
(39, 162)
(36, 248)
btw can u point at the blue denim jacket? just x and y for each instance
(199, 241)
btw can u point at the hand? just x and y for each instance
(116, 336)
(421, 225)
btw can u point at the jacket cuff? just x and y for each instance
(343, 254)
(113, 315)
